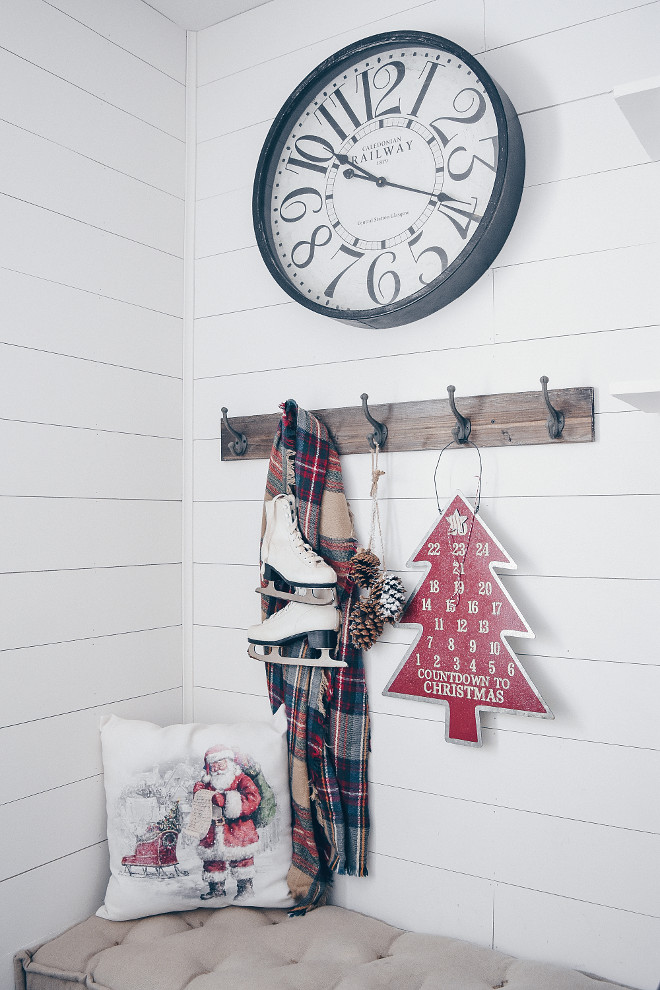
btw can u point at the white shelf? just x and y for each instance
(641, 395)
(640, 104)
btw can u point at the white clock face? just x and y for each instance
(381, 176)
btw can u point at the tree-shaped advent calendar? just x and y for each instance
(460, 656)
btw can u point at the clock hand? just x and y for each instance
(381, 181)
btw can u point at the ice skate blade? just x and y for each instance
(310, 596)
(325, 660)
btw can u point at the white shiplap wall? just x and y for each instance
(545, 842)
(91, 213)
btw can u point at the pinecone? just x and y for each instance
(392, 596)
(364, 568)
(365, 624)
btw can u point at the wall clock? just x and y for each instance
(389, 180)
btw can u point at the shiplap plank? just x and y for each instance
(238, 280)
(136, 27)
(94, 259)
(43, 35)
(40, 102)
(222, 663)
(222, 532)
(604, 290)
(565, 218)
(569, 858)
(96, 396)
(592, 700)
(46, 316)
(38, 171)
(55, 606)
(225, 596)
(618, 463)
(225, 223)
(30, 918)
(67, 748)
(58, 461)
(510, 20)
(572, 779)
(491, 370)
(26, 848)
(235, 343)
(229, 707)
(40, 682)
(303, 27)
(436, 902)
(230, 103)
(614, 945)
(614, 626)
(50, 533)
(591, 55)
(228, 161)
(581, 138)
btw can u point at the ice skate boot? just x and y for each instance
(319, 625)
(285, 554)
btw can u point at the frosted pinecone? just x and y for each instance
(391, 596)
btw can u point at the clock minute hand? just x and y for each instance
(381, 181)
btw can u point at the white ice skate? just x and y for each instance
(285, 554)
(319, 624)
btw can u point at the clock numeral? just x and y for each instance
(356, 255)
(475, 109)
(308, 158)
(444, 259)
(432, 67)
(296, 206)
(374, 286)
(400, 71)
(381, 79)
(312, 244)
(338, 97)
(454, 212)
(459, 176)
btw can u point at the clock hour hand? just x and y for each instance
(345, 160)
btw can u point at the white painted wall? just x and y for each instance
(91, 213)
(545, 842)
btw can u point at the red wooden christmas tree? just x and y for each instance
(460, 656)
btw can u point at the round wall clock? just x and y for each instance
(389, 180)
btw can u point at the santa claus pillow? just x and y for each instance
(198, 816)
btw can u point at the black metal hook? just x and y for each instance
(239, 444)
(556, 419)
(379, 437)
(461, 432)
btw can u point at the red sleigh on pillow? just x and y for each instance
(156, 849)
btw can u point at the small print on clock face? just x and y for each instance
(383, 178)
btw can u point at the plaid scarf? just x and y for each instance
(327, 710)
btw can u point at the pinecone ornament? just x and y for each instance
(365, 623)
(364, 568)
(391, 596)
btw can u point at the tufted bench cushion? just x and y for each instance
(234, 948)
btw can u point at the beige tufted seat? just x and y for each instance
(258, 949)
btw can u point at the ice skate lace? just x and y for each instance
(299, 542)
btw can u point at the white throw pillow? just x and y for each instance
(198, 816)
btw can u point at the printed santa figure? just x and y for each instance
(232, 840)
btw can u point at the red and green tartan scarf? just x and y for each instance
(327, 710)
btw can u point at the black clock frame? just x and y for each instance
(482, 248)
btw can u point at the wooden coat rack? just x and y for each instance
(509, 419)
